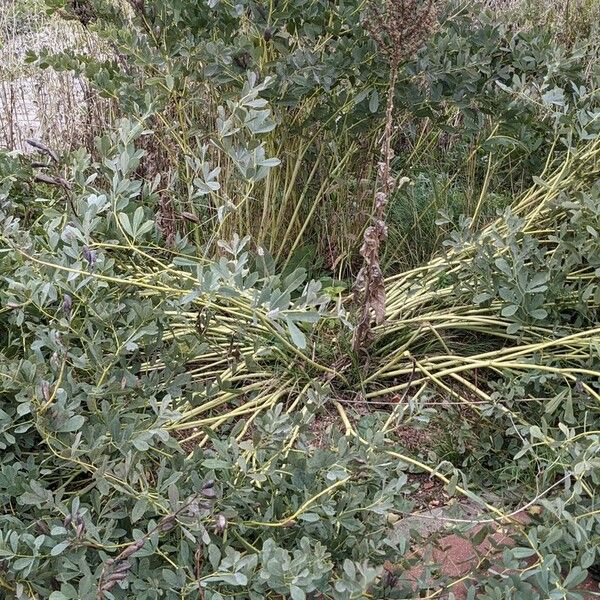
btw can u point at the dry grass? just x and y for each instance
(570, 19)
(59, 108)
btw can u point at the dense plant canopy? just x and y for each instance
(182, 411)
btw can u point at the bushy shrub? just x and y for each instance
(164, 351)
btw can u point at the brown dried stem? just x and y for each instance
(399, 28)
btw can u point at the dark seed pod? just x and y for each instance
(116, 577)
(43, 148)
(42, 527)
(138, 5)
(54, 360)
(190, 217)
(243, 60)
(193, 509)
(220, 523)
(108, 586)
(268, 34)
(80, 529)
(123, 567)
(67, 305)
(46, 391)
(111, 580)
(167, 523)
(209, 492)
(68, 520)
(89, 255)
(131, 549)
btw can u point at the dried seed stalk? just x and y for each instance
(399, 28)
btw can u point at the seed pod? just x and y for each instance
(167, 523)
(188, 216)
(46, 391)
(68, 520)
(67, 305)
(220, 523)
(80, 527)
(54, 360)
(43, 148)
(60, 181)
(132, 549)
(108, 586)
(116, 577)
(89, 255)
(243, 60)
(122, 568)
(209, 492)
(42, 527)
(193, 509)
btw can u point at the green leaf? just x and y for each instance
(138, 217)
(536, 432)
(139, 508)
(575, 577)
(539, 313)
(522, 552)
(349, 568)
(56, 550)
(216, 464)
(374, 101)
(145, 228)
(125, 224)
(74, 423)
(297, 336)
(587, 560)
(309, 517)
(510, 310)
(513, 328)
(482, 297)
(552, 404)
(173, 493)
(296, 593)
(270, 162)
(361, 96)
(23, 563)
(171, 578)
(503, 266)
